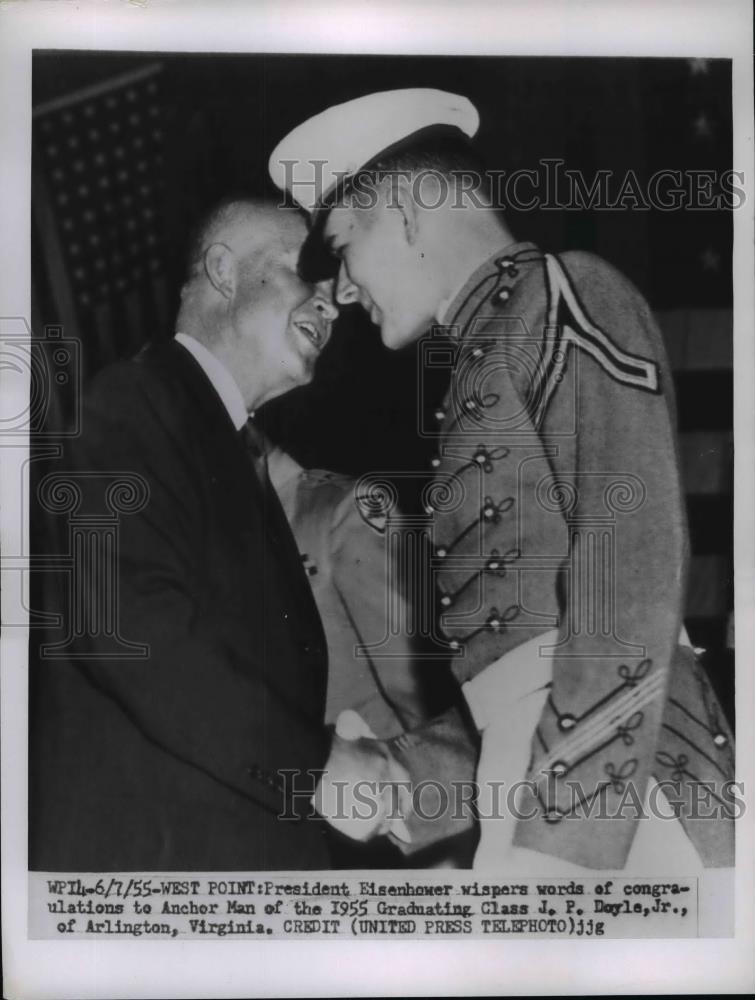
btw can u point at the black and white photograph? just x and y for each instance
(374, 519)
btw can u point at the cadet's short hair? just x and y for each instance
(437, 150)
(447, 151)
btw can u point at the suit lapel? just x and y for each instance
(248, 498)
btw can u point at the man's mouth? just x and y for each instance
(313, 334)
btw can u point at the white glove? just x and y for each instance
(364, 791)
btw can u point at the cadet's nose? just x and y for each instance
(346, 291)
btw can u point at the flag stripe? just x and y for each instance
(96, 90)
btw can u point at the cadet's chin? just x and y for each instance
(395, 338)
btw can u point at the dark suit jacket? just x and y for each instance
(173, 761)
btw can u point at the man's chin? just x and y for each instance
(305, 356)
(297, 371)
(304, 372)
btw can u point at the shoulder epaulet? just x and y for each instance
(569, 325)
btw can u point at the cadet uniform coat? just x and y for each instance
(559, 507)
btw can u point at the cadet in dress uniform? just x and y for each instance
(558, 528)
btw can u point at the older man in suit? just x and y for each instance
(162, 745)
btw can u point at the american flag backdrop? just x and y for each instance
(692, 295)
(98, 192)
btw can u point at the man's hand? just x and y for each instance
(364, 791)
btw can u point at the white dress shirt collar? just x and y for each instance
(221, 379)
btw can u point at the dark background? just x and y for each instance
(130, 150)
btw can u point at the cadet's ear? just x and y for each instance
(403, 200)
(219, 266)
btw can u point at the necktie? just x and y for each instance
(276, 522)
(278, 530)
(254, 442)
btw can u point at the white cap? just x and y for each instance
(324, 150)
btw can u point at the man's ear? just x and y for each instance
(220, 268)
(403, 199)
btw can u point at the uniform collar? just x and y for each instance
(451, 308)
(220, 378)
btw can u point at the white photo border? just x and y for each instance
(697, 28)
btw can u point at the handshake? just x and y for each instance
(364, 791)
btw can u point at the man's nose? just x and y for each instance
(346, 291)
(324, 303)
